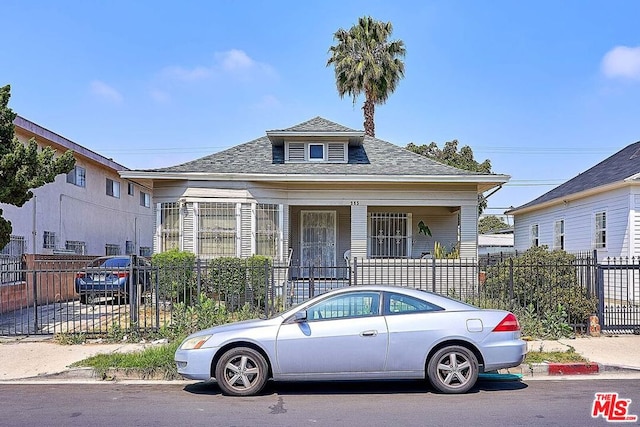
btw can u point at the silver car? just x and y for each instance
(357, 333)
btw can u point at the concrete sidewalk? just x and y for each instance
(42, 358)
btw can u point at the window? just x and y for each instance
(217, 229)
(129, 248)
(601, 230)
(77, 176)
(353, 304)
(76, 246)
(316, 151)
(169, 226)
(267, 230)
(389, 235)
(130, 188)
(111, 249)
(535, 235)
(145, 251)
(402, 304)
(558, 240)
(331, 152)
(145, 199)
(49, 241)
(113, 188)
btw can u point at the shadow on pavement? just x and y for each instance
(357, 387)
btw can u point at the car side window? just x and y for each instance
(403, 304)
(352, 304)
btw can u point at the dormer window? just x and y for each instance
(330, 152)
(316, 152)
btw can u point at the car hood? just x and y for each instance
(240, 326)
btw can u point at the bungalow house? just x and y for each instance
(597, 210)
(90, 211)
(317, 193)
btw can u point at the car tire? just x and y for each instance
(453, 369)
(241, 371)
(84, 298)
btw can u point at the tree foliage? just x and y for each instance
(491, 224)
(23, 167)
(365, 61)
(449, 155)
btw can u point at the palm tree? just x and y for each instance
(366, 62)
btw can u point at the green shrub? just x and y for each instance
(238, 281)
(542, 279)
(175, 274)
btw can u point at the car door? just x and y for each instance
(341, 336)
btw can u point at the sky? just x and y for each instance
(544, 89)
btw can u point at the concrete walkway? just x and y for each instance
(42, 358)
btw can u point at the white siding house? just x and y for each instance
(320, 191)
(596, 210)
(90, 211)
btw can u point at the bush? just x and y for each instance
(176, 275)
(542, 282)
(239, 281)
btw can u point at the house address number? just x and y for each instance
(355, 202)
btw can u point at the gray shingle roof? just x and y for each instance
(620, 166)
(373, 157)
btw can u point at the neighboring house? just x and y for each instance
(496, 242)
(318, 192)
(597, 210)
(90, 211)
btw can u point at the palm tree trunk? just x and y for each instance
(369, 112)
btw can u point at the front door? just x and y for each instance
(318, 239)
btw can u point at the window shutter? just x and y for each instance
(296, 152)
(337, 152)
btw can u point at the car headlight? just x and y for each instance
(194, 342)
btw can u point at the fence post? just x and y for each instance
(599, 288)
(510, 279)
(354, 273)
(35, 301)
(433, 274)
(133, 291)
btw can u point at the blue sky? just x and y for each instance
(544, 89)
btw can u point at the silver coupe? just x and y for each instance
(357, 333)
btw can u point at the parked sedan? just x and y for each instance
(108, 277)
(358, 333)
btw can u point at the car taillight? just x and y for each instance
(79, 275)
(509, 324)
(122, 274)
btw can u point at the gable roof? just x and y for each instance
(618, 168)
(265, 157)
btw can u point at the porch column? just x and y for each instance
(468, 231)
(358, 231)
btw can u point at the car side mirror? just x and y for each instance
(300, 316)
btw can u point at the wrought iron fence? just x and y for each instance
(44, 300)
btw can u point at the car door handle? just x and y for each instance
(371, 333)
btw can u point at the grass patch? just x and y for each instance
(569, 356)
(150, 362)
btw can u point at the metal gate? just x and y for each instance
(618, 284)
(46, 301)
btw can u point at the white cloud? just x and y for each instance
(235, 63)
(234, 60)
(267, 102)
(187, 75)
(103, 90)
(160, 96)
(623, 62)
